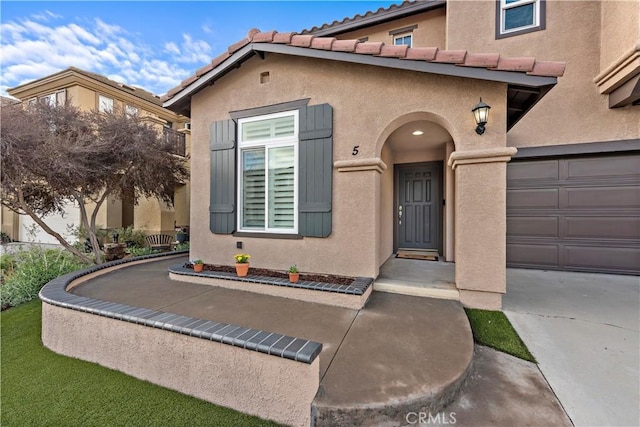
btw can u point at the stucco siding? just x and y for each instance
(352, 248)
(430, 31)
(574, 111)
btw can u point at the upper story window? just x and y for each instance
(105, 104)
(53, 99)
(406, 39)
(131, 111)
(267, 171)
(519, 16)
(403, 36)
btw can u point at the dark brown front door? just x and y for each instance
(418, 206)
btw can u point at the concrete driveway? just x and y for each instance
(584, 331)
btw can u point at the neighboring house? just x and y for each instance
(334, 148)
(92, 91)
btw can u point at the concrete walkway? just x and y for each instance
(584, 331)
(392, 363)
(397, 355)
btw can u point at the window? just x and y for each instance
(53, 99)
(519, 16)
(404, 39)
(105, 104)
(267, 170)
(131, 111)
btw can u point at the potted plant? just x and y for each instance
(198, 265)
(181, 236)
(294, 274)
(242, 264)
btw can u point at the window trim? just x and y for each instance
(135, 111)
(401, 36)
(540, 15)
(113, 102)
(289, 141)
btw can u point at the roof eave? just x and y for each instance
(178, 101)
(377, 18)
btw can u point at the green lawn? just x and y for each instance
(493, 329)
(42, 388)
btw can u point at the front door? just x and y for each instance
(419, 206)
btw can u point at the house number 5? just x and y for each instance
(355, 150)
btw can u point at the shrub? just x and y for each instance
(182, 246)
(141, 251)
(4, 237)
(130, 236)
(33, 268)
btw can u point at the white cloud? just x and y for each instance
(171, 47)
(46, 16)
(33, 47)
(207, 29)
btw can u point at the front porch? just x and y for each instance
(433, 279)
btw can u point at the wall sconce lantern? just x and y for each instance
(481, 114)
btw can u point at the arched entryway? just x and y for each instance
(416, 209)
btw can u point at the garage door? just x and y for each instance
(31, 232)
(578, 214)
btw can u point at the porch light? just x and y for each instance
(481, 113)
(417, 132)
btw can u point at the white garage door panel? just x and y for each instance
(59, 223)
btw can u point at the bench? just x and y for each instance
(162, 242)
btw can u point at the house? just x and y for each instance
(338, 146)
(92, 91)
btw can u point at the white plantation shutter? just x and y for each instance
(268, 129)
(253, 188)
(281, 187)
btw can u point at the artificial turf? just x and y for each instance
(493, 329)
(42, 388)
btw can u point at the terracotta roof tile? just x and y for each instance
(491, 61)
(189, 80)
(173, 91)
(451, 56)
(548, 69)
(422, 53)
(522, 64)
(204, 70)
(237, 46)
(219, 59)
(323, 43)
(302, 41)
(394, 51)
(266, 37)
(345, 45)
(481, 60)
(369, 48)
(283, 38)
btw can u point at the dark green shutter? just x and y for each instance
(316, 169)
(222, 212)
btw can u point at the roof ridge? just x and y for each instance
(489, 61)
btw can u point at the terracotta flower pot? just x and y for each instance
(198, 267)
(242, 269)
(294, 277)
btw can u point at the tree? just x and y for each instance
(54, 154)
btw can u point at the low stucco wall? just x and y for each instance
(335, 299)
(270, 387)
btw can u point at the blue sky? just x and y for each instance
(149, 44)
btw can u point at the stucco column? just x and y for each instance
(480, 219)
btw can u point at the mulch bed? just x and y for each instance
(324, 278)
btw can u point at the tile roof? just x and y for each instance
(381, 15)
(462, 58)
